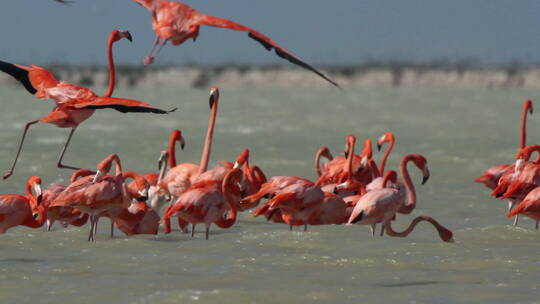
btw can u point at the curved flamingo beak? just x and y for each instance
(127, 35)
(426, 175)
(98, 176)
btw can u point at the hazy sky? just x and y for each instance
(321, 32)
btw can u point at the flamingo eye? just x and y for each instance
(35, 215)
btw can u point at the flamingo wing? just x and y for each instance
(268, 43)
(19, 74)
(120, 105)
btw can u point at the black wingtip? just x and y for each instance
(20, 74)
(358, 218)
(172, 110)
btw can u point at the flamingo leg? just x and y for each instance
(49, 225)
(91, 235)
(112, 228)
(305, 227)
(59, 163)
(290, 227)
(156, 48)
(536, 226)
(207, 231)
(192, 230)
(382, 230)
(372, 228)
(10, 172)
(516, 218)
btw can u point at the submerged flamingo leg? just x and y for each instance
(10, 172)
(59, 163)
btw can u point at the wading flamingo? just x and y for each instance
(207, 202)
(490, 178)
(529, 206)
(381, 205)
(65, 215)
(26, 210)
(74, 104)
(180, 176)
(95, 194)
(178, 22)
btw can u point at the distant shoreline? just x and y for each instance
(288, 77)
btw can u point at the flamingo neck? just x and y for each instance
(350, 162)
(411, 203)
(112, 72)
(385, 156)
(373, 166)
(445, 234)
(208, 139)
(228, 183)
(80, 173)
(172, 150)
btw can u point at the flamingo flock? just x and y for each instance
(351, 189)
(518, 182)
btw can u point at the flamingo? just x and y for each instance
(178, 22)
(65, 215)
(181, 176)
(529, 206)
(207, 202)
(74, 104)
(26, 210)
(490, 178)
(381, 205)
(95, 194)
(138, 218)
(335, 170)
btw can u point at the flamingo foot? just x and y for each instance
(8, 174)
(148, 60)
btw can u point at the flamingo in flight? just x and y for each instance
(178, 22)
(74, 104)
(27, 210)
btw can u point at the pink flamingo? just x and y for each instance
(74, 104)
(26, 210)
(207, 202)
(65, 215)
(381, 205)
(178, 22)
(490, 178)
(95, 194)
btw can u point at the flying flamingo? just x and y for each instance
(74, 104)
(381, 205)
(95, 194)
(26, 210)
(207, 202)
(65, 215)
(178, 22)
(491, 176)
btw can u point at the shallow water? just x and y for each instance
(461, 132)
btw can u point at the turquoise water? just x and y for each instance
(461, 131)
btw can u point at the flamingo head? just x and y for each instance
(214, 97)
(528, 106)
(349, 144)
(34, 184)
(176, 135)
(421, 162)
(118, 34)
(387, 137)
(242, 159)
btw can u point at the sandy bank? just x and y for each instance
(203, 77)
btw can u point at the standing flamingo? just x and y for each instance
(27, 210)
(74, 104)
(65, 215)
(207, 201)
(95, 194)
(179, 22)
(181, 176)
(381, 205)
(490, 178)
